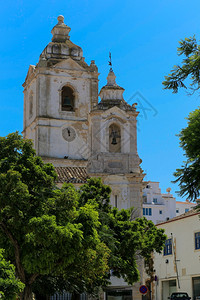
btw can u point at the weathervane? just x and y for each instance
(110, 61)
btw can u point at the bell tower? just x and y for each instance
(59, 93)
(114, 154)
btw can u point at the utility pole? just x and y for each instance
(175, 260)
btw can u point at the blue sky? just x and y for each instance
(142, 36)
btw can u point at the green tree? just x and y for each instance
(44, 229)
(61, 237)
(188, 175)
(189, 68)
(10, 287)
(127, 238)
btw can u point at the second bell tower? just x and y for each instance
(114, 156)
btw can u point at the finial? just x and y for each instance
(60, 31)
(60, 19)
(110, 61)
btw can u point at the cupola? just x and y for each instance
(111, 95)
(61, 46)
(111, 91)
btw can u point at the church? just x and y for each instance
(80, 135)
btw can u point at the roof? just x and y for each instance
(190, 213)
(185, 202)
(72, 174)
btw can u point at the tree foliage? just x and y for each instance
(189, 68)
(127, 239)
(10, 286)
(43, 228)
(188, 175)
(62, 237)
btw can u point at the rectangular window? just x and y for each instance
(147, 211)
(155, 200)
(186, 210)
(177, 211)
(168, 247)
(160, 212)
(197, 240)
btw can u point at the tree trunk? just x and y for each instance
(27, 293)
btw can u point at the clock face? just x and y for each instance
(69, 134)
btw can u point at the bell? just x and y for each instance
(114, 141)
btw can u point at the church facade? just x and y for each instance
(80, 135)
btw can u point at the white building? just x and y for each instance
(183, 207)
(159, 207)
(178, 266)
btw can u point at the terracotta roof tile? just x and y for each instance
(185, 202)
(71, 174)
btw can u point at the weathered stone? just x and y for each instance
(85, 135)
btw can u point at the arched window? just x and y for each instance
(67, 97)
(116, 202)
(114, 138)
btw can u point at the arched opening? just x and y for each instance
(68, 98)
(114, 138)
(116, 202)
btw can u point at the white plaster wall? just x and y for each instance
(170, 205)
(31, 134)
(165, 203)
(129, 195)
(181, 206)
(153, 192)
(50, 86)
(51, 142)
(120, 187)
(30, 89)
(187, 257)
(156, 217)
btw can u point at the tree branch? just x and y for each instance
(32, 278)
(19, 267)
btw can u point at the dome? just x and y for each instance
(61, 47)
